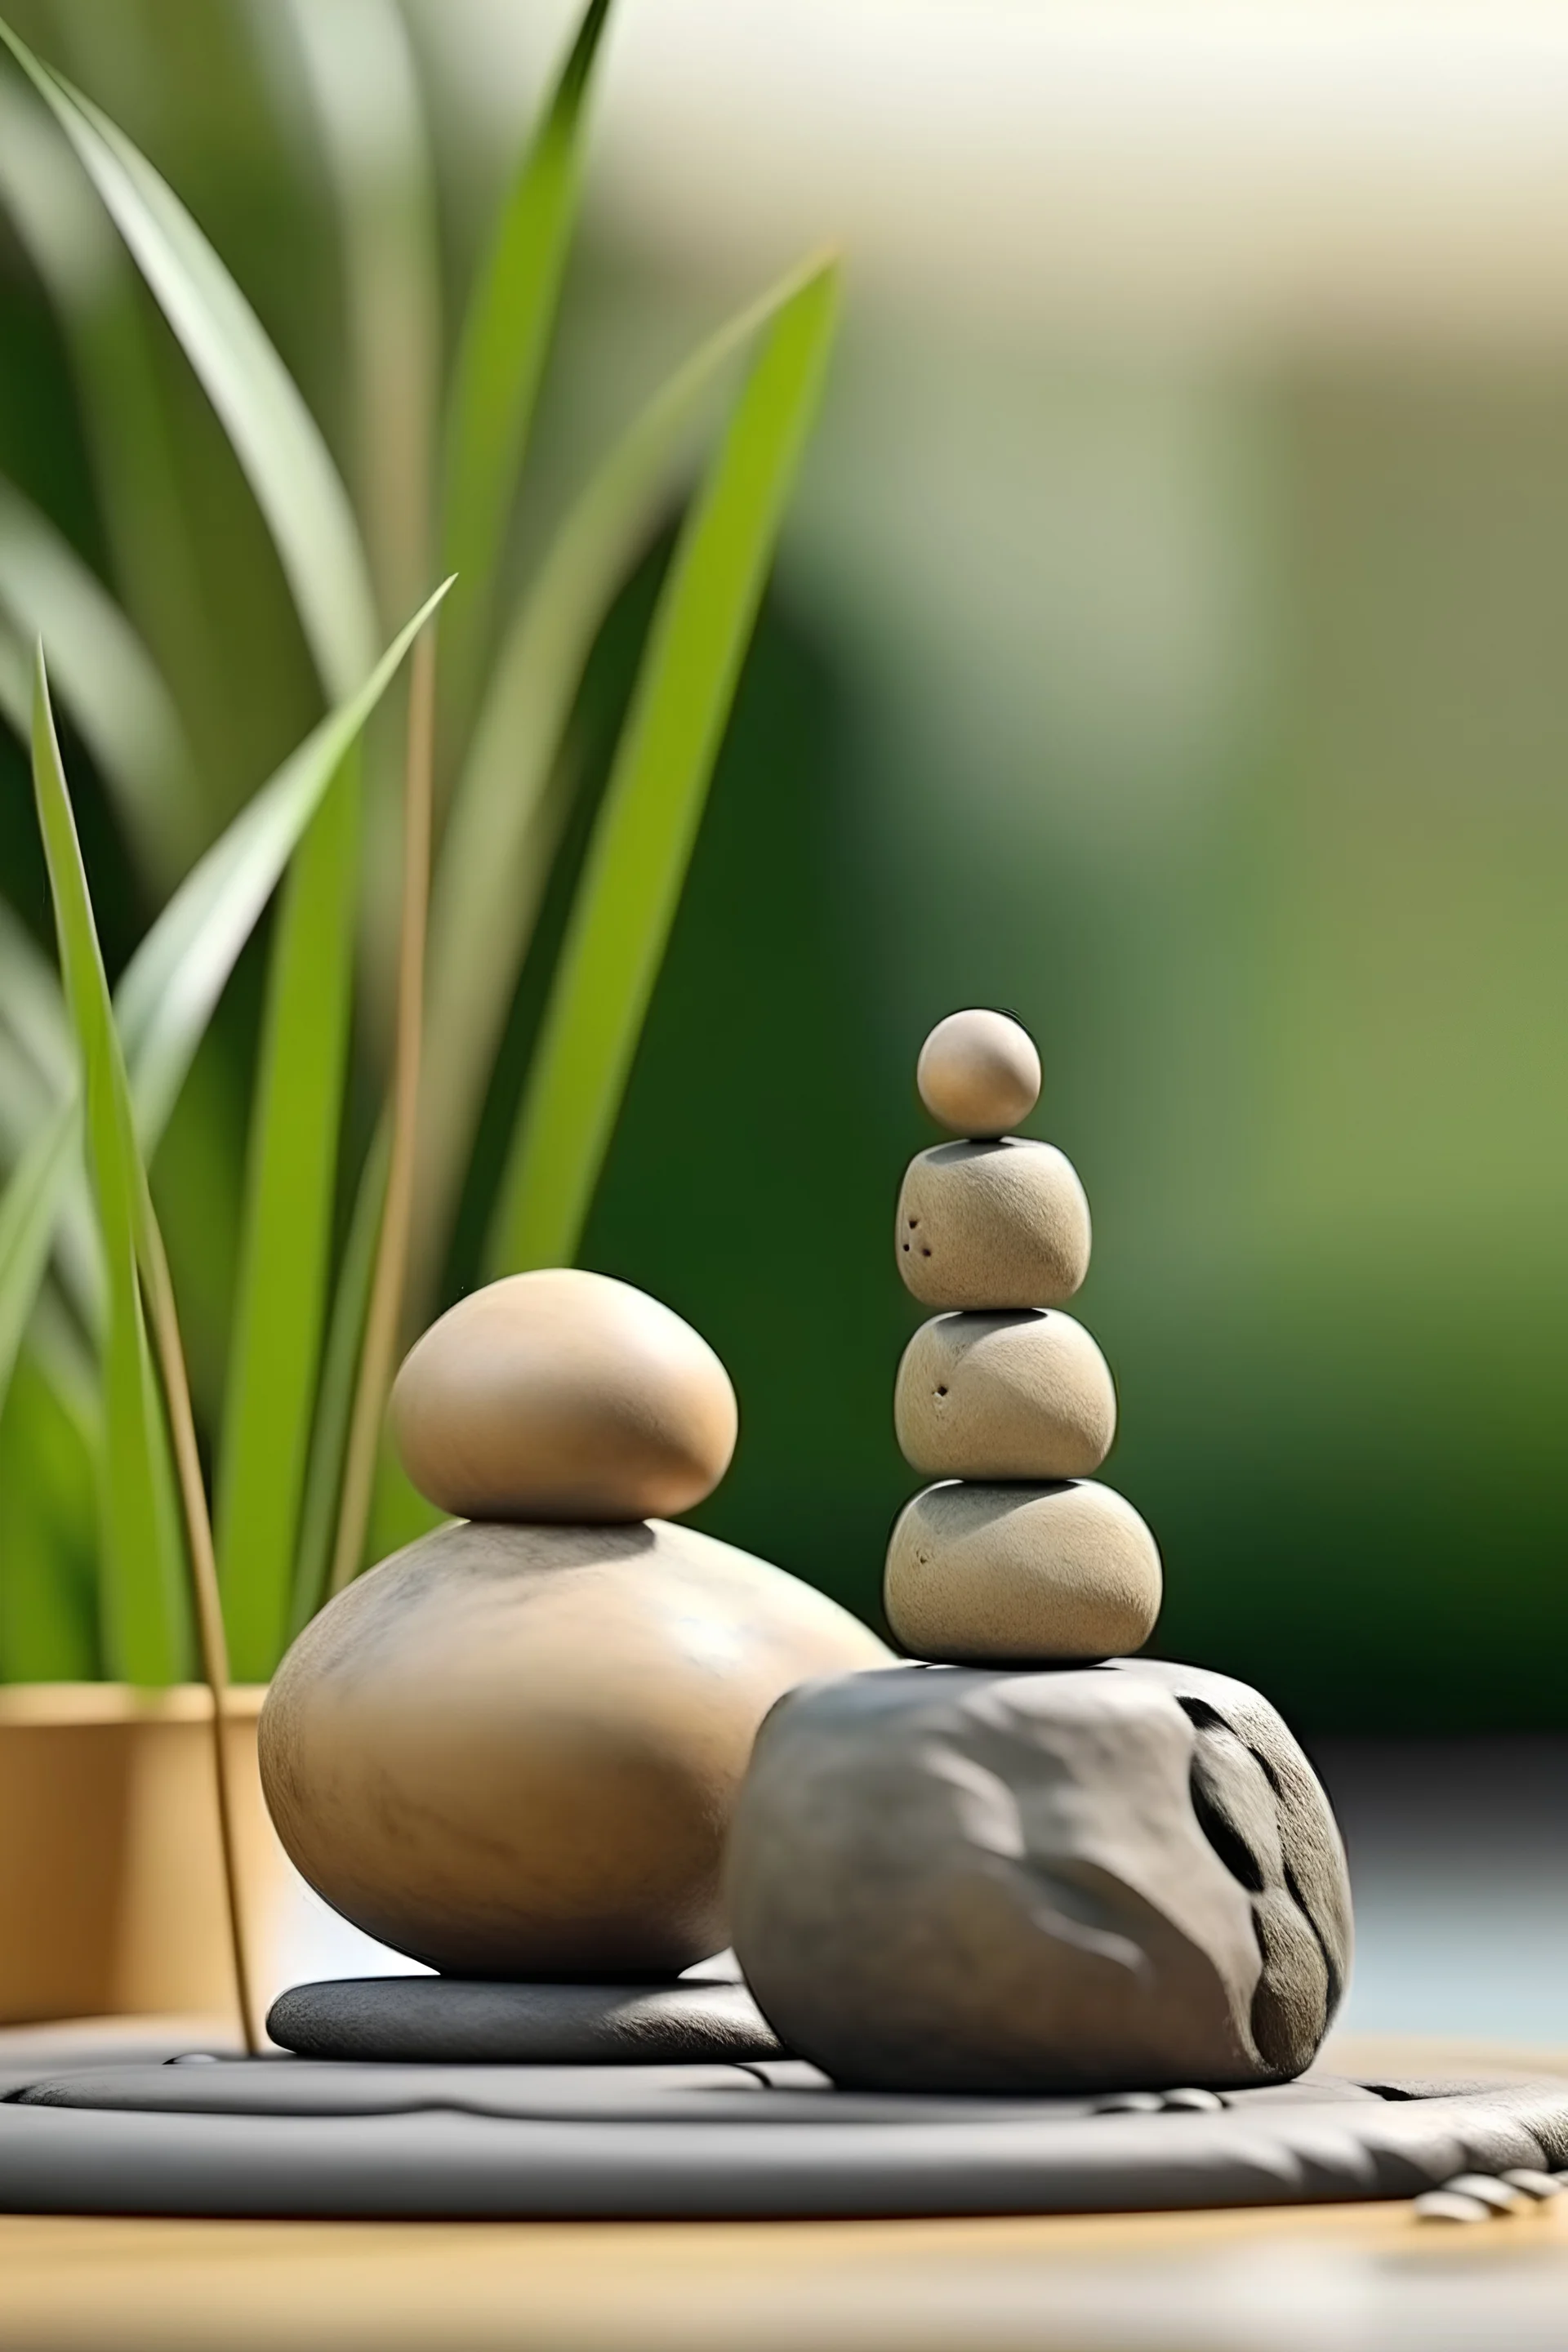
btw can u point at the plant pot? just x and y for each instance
(111, 1891)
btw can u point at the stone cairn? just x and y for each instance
(511, 1750)
(1019, 1555)
(1028, 1863)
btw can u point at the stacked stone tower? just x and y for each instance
(1018, 1556)
(1029, 1862)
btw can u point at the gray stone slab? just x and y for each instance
(455, 2020)
(788, 2090)
(58, 2158)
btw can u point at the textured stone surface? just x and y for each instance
(276, 2138)
(979, 1073)
(1123, 1877)
(1015, 1575)
(992, 1225)
(514, 1751)
(454, 2022)
(1023, 1395)
(563, 1395)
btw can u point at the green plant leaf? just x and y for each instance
(109, 684)
(29, 1210)
(146, 1615)
(511, 796)
(272, 433)
(501, 352)
(286, 1241)
(130, 433)
(335, 1391)
(643, 839)
(169, 989)
(363, 84)
(49, 1613)
(33, 1009)
(286, 1237)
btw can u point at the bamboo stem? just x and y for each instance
(384, 1311)
(213, 1646)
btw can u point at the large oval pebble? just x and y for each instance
(563, 1395)
(1021, 1575)
(992, 1225)
(514, 1751)
(1023, 1395)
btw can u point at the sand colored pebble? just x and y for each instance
(1012, 1575)
(979, 1073)
(563, 1395)
(992, 1225)
(992, 1396)
(514, 1751)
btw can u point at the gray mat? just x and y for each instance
(458, 2021)
(283, 2137)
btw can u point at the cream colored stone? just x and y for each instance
(1021, 1575)
(992, 1225)
(514, 1751)
(563, 1395)
(1018, 1395)
(979, 1073)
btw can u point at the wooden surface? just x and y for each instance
(1347, 2279)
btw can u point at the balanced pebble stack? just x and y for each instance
(1028, 1862)
(1018, 1556)
(511, 1750)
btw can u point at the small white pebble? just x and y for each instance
(1539, 2185)
(1130, 2102)
(1488, 2190)
(979, 1073)
(1442, 2205)
(1195, 2102)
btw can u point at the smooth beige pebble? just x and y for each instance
(1005, 1395)
(514, 1751)
(993, 1225)
(979, 1073)
(1021, 1575)
(563, 1395)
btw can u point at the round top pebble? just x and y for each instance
(563, 1395)
(979, 1073)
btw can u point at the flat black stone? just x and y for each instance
(451, 2020)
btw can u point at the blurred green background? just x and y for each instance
(1185, 675)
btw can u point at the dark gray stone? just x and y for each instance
(455, 2020)
(737, 2153)
(1122, 1877)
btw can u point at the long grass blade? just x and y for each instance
(48, 1609)
(131, 437)
(272, 432)
(653, 804)
(286, 1237)
(391, 1252)
(146, 1619)
(29, 1210)
(154, 1265)
(501, 352)
(169, 989)
(135, 1251)
(335, 1392)
(507, 811)
(365, 91)
(33, 1010)
(286, 1244)
(109, 684)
